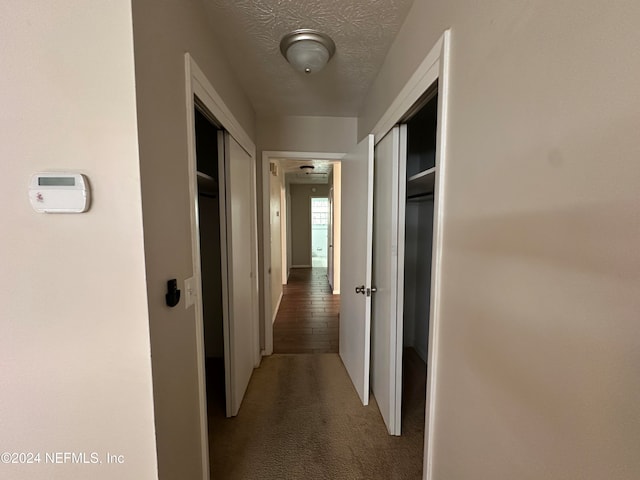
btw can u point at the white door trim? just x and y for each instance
(196, 83)
(427, 72)
(284, 226)
(436, 265)
(267, 157)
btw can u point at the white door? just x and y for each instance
(330, 241)
(355, 269)
(240, 322)
(388, 263)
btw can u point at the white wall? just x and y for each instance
(74, 340)
(163, 32)
(538, 372)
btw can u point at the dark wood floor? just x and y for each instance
(309, 316)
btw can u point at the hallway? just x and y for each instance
(302, 419)
(309, 314)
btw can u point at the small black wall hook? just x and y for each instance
(173, 294)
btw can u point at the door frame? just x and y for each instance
(330, 275)
(285, 226)
(197, 85)
(434, 67)
(267, 157)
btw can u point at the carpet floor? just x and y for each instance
(302, 419)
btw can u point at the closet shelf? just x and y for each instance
(421, 183)
(207, 185)
(204, 176)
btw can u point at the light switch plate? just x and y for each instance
(190, 293)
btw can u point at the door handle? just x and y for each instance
(361, 289)
(371, 290)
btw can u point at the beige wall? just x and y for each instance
(74, 341)
(163, 32)
(301, 221)
(307, 134)
(539, 357)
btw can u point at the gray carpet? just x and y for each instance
(302, 419)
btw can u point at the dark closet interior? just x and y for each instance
(420, 179)
(210, 260)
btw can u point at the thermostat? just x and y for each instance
(59, 192)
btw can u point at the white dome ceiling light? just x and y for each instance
(307, 50)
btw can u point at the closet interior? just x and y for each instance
(421, 127)
(210, 260)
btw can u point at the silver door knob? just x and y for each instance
(371, 290)
(361, 289)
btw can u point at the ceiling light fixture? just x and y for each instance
(307, 50)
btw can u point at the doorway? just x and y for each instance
(223, 251)
(319, 232)
(207, 165)
(421, 168)
(289, 246)
(307, 310)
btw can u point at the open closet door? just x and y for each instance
(388, 260)
(239, 322)
(355, 271)
(330, 242)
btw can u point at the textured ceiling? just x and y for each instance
(250, 33)
(294, 174)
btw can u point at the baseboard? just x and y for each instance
(336, 292)
(275, 312)
(300, 266)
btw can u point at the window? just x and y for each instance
(319, 211)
